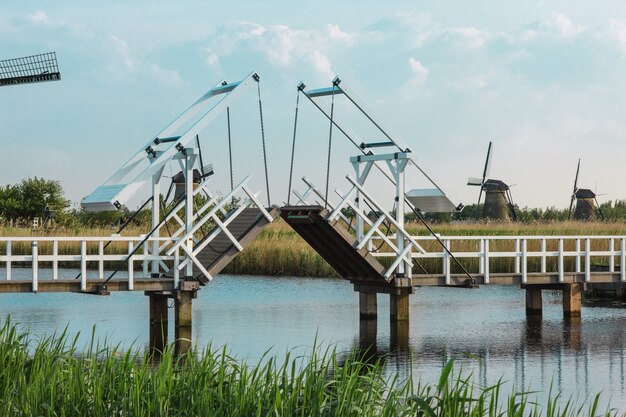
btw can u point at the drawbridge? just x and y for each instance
(369, 245)
(196, 229)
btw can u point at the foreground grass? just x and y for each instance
(279, 251)
(50, 378)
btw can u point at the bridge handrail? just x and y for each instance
(81, 256)
(520, 253)
(221, 226)
(517, 237)
(401, 254)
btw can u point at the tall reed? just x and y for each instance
(52, 377)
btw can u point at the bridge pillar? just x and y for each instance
(183, 321)
(399, 305)
(534, 301)
(572, 299)
(399, 336)
(158, 322)
(368, 308)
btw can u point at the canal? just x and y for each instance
(485, 330)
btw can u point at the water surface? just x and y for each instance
(485, 329)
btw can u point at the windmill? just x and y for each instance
(587, 207)
(498, 200)
(29, 69)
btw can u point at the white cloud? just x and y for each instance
(38, 17)
(121, 48)
(417, 68)
(322, 65)
(616, 29)
(335, 32)
(563, 25)
(212, 59)
(165, 75)
(469, 36)
(282, 45)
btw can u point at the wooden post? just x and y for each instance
(367, 305)
(158, 322)
(534, 301)
(572, 297)
(399, 305)
(183, 321)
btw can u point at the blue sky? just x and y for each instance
(543, 80)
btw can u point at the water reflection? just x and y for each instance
(486, 331)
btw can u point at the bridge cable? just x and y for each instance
(200, 156)
(123, 226)
(146, 237)
(330, 143)
(267, 181)
(293, 143)
(472, 281)
(230, 148)
(388, 225)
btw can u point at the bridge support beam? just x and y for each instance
(158, 322)
(368, 308)
(183, 321)
(399, 305)
(534, 301)
(572, 299)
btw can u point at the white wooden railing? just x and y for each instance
(583, 249)
(173, 254)
(76, 254)
(214, 207)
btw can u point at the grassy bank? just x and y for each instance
(280, 251)
(51, 377)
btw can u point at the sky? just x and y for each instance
(543, 80)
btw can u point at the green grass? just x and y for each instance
(51, 377)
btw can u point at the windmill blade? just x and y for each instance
(511, 205)
(571, 205)
(576, 178)
(487, 162)
(480, 194)
(474, 181)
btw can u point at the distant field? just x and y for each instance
(279, 251)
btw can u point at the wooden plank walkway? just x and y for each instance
(333, 242)
(221, 251)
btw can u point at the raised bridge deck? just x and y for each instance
(221, 251)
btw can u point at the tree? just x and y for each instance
(31, 197)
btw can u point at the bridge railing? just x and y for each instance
(208, 213)
(521, 255)
(78, 253)
(400, 252)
